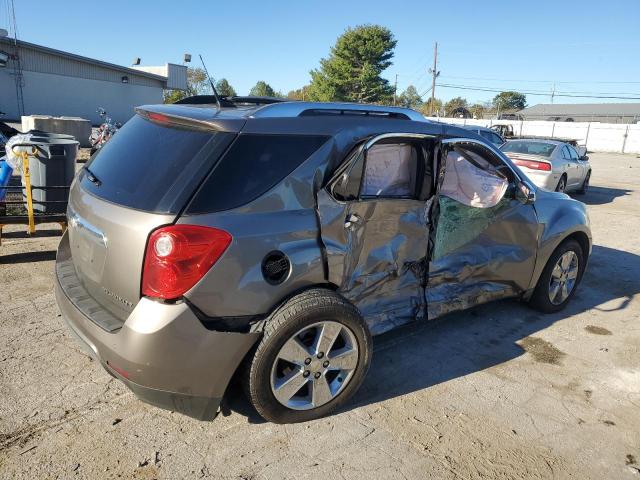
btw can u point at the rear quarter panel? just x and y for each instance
(283, 219)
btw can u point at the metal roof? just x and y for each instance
(268, 107)
(79, 58)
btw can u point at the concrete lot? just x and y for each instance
(498, 392)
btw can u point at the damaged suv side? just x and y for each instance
(272, 241)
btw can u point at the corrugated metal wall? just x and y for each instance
(57, 84)
(176, 76)
(40, 61)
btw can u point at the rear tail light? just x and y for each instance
(533, 165)
(178, 256)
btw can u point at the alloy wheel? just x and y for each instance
(563, 277)
(314, 365)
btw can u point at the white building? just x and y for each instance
(37, 80)
(584, 112)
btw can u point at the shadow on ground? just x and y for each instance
(419, 356)
(601, 195)
(39, 233)
(28, 257)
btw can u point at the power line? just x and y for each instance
(556, 94)
(566, 82)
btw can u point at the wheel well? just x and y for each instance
(582, 239)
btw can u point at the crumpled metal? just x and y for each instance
(406, 260)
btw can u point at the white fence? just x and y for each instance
(598, 137)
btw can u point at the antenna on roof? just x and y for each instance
(213, 87)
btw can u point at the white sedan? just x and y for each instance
(550, 164)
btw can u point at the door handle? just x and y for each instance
(352, 220)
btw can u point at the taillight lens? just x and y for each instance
(533, 165)
(178, 256)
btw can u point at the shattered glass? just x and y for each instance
(459, 224)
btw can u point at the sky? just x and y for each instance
(583, 47)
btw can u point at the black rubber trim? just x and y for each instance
(200, 408)
(238, 324)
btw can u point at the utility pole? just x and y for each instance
(434, 74)
(553, 92)
(395, 91)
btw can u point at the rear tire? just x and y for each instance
(562, 184)
(287, 377)
(554, 277)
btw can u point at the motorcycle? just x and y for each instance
(105, 131)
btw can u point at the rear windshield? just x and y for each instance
(252, 166)
(531, 148)
(152, 167)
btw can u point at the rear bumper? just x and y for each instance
(546, 180)
(164, 354)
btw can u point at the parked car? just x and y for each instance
(272, 241)
(489, 134)
(504, 130)
(551, 164)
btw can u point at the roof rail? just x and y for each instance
(228, 102)
(305, 109)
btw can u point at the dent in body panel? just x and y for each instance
(480, 254)
(376, 254)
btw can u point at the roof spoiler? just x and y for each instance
(163, 117)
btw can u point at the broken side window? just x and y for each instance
(471, 195)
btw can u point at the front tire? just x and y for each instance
(314, 354)
(560, 278)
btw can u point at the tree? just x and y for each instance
(427, 110)
(262, 89)
(410, 98)
(477, 110)
(224, 88)
(510, 101)
(454, 103)
(197, 84)
(352, 70)
(299, 94)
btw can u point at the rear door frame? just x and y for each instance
(341, 236)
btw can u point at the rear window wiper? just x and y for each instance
(91, 177)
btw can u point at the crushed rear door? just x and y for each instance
(376, 237)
